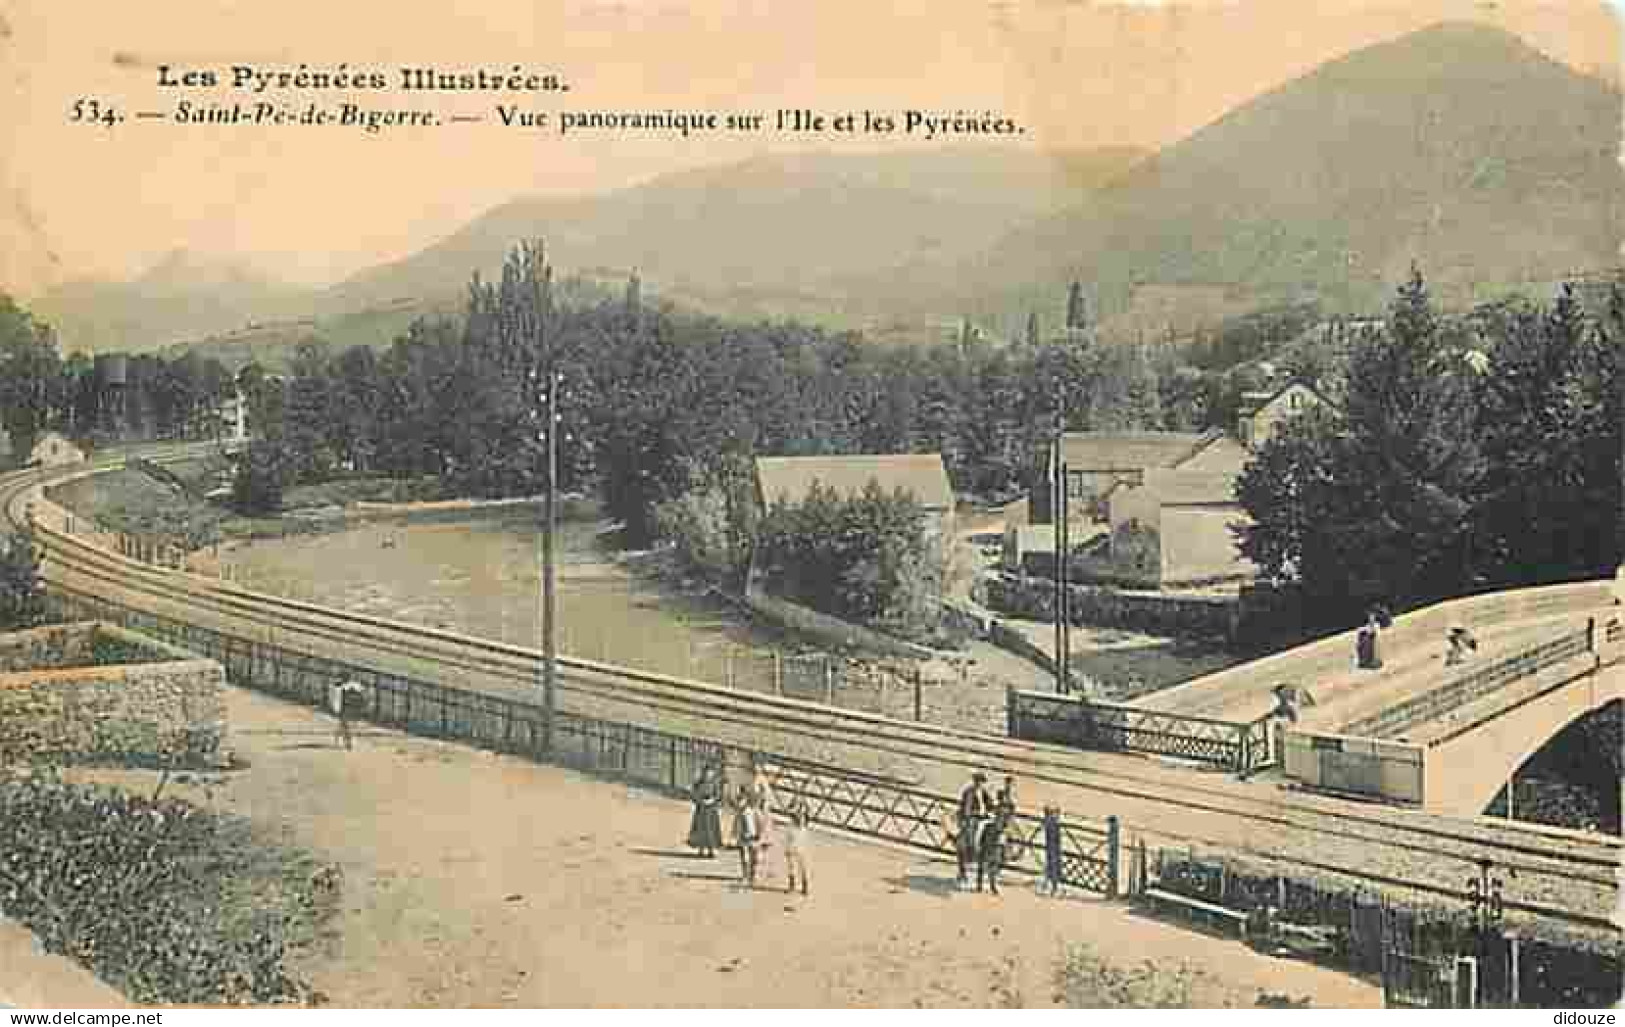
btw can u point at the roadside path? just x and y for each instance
(474, 879)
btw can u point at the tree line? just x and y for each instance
(156, 396)
(1467, 453)
(655, 401)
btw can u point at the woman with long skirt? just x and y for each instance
(705, 829)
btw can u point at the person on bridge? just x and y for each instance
(1462, 643)
(747, 835)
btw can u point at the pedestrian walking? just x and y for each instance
(795, 847)
(1052, 850)
(340, 698)
(1367, 641)
(747, 832)
(705, 828)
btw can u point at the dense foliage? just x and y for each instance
(165, 901)
(868, 558)
(31, 382)
(22, 593)
(1468, 453)
(655, 403)
(39, 390)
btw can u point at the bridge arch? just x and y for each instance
(1464, 774)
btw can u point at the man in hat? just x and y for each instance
(974, 807)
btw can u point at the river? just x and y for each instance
(480, 575)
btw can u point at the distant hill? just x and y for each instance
(184, 295)
(777, 235)
(774, 236)
(1457, 146)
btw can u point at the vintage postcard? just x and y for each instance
(732, 504)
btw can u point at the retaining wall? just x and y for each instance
(1151, 612)
(154, 712)
(831, 630)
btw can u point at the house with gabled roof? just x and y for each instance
(53, 449)
(1262, 413)
(1177, 527)
(1097, 463)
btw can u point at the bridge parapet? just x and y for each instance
(1474, 684)
(1459, 742)
(1246, 691)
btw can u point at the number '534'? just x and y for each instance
(95, 112)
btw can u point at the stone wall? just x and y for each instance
(1149, 612)
(81, 644)
(59, 645)
(144, 713)
(829, 630)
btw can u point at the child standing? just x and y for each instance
(795, 847)
(1052, 850)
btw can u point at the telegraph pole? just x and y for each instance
(547, 365)
(550, 646)
(1063, 675)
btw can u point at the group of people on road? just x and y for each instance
(981, 822)
(983, 818)
(755, 832)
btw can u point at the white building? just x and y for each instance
(234, 417)
(55, 450)
(1262, 413)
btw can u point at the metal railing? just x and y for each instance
(1474, 685)
(854, 801)
(1045, 717)
(884, 808)
(1246, 747)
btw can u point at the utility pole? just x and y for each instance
(1063, 675)
(544, 363)
(550, 647)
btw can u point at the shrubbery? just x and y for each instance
(1084, 980)
(167, 902)
(22, 594)
(867, 558)
(263, 474)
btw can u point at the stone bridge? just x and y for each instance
(1418, 729)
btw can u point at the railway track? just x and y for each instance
(1567, 879)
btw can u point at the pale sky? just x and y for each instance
(313, 204)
